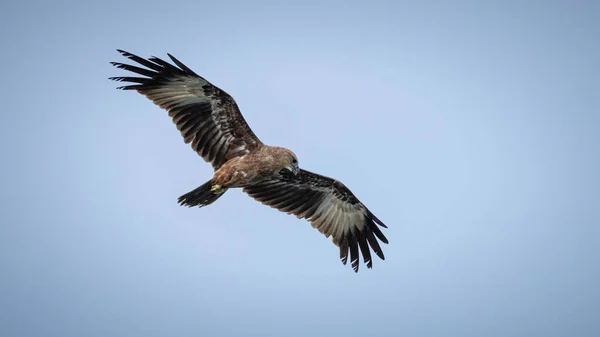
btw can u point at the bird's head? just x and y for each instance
(289, 161)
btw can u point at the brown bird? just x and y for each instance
(210, 120)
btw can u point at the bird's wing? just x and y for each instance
(206, 116)
(330, 207)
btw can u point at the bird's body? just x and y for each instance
(210, 121)
(263, 164)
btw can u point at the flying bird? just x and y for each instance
(210, 120)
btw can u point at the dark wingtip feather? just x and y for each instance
(181, 65)
(377, 231)
(126, 53)
(163, 63)
(140, 60)
(344, 251)
(354, 260)
(377, 221)
(374, 244)
(134, 69)
(130, 87)
(384, 239)
(120, 79)
(131, 79)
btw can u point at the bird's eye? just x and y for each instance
(294, 161)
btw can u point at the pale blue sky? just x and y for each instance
(472, 129)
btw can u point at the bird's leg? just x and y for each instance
(217, 188)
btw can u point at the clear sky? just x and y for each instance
(471, 128)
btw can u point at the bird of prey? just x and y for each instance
(210, 120)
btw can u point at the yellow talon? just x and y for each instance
(216, 188)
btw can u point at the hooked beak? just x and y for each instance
(293, 168)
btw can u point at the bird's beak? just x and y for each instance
(293, 168)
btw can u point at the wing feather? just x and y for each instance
(344, 251)
(207, 117)
(354, 253)
(330, 207)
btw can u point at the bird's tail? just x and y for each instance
(203, 195)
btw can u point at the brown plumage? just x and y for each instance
(210, 120)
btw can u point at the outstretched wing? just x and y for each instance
(330, 207)
(206, 116)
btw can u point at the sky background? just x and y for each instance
(471, 128)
